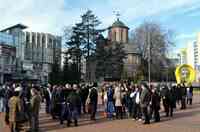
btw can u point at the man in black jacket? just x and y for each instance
(145, 100)
(84, 94)
(165, 94)
(155, 105)
(93, 96)
(183, 95)
(47, 96)
(73, 102)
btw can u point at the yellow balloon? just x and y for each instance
(185, 74)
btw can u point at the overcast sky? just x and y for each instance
(181, 16)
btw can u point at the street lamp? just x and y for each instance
(149, 58)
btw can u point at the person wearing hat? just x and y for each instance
(14, 105)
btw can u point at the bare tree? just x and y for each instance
(153, 43)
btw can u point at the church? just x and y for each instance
(119, 32)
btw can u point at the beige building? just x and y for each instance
(190, 57)
(118, 32)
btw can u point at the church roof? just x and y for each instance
(118, 23)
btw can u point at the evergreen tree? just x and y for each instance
(90, 23)
(101, 56)
(55, 74)
(116, 59)
(109, 60)
(74, 45)
(82, 42)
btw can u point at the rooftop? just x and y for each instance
(118, 23)
(21, 26)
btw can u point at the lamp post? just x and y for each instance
(149, 58)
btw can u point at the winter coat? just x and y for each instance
(155, 101)
(14, 105)
(35, 105)
(93, 96)
(118, 96)
(74, 100)
(145, 98)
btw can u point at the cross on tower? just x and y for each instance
(117, 14)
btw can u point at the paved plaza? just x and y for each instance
(183, 121)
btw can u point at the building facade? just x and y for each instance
(183, 56)
(35, 53)
(119, 33)
(41, 51)
(17, 32)
(190, 56)
(7, 57)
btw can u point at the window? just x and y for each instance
(33, 38)
(50, 43)
(27, 37)
(38, 41)
(121, 32)
(114, 35)
(130, 59)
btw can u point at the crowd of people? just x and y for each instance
(21, 104)
(120, 100)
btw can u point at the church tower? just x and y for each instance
(118, 32)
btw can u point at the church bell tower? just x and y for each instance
(118, 32)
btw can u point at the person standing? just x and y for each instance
(165, 93)
(145, 100)
(47, 96)
(189, 95)
(110, 103)
(2, 99)
(118, 101)
(135, 96)
(183, 95)
(93, 97)
(34, 108)
(172, 95)
(14, 105)
(155, 105)
(73, 102)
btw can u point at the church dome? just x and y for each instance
(119, 23)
